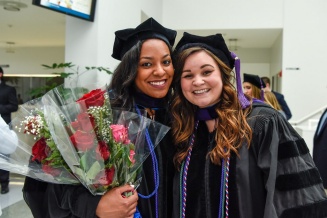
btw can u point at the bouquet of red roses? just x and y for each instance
(103, 147)
(35, 153)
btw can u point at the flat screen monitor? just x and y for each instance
(83, 9)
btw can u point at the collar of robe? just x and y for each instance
(146, 101)
(207, 113)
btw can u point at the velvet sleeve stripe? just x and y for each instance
(317, 209)
(298, 180)
(292, 149)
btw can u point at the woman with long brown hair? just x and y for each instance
(236, 156)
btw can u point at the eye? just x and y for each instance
(146, 64)
(207, 72)
(167, 62)
(186, 76)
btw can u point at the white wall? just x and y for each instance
(276, 64)
(219, 14)
(254, 61)
(29, 60)
(276, 56)
(305, 47)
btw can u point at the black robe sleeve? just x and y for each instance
(71, 201)
(292, 184)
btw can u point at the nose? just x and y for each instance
(198, 81)
(159, 70)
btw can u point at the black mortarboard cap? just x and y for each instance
(125, 39)
(254, 80)
(214, 43)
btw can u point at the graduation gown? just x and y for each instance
(320, 149)
(274, 177)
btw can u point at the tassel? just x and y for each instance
(243, 100)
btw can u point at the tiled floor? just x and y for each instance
(12, 203)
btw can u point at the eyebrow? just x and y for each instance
(147, 57)
(206, 65)
(203, 66)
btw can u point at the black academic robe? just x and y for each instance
(8, 101)
(164, 153)
(76, 201)
(281, 100)
(320, 149)
(274, 177)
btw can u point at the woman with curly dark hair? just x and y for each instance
(141, 82)
(236, 156)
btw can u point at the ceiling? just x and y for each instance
(31, 26)
(34, 26)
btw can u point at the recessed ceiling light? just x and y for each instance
(13, 5)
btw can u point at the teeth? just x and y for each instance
(157, 83)
(201, 91)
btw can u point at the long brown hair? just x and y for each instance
(232, 128)
(256, 92)
(271, 99)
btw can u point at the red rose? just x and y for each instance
(83, 141)
(86, 121)
(120, 133)
(50, 170)
(75, 125)
(39, 150)
(93, 98)
(105, 177)
(101, 151)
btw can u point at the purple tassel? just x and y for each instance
(262, 92)
(241, 97)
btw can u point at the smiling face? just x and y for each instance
(201, 80)
(155, 70)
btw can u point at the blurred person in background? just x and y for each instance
(320, 148)
(253, 86)
(280, 98)
(271, 99)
